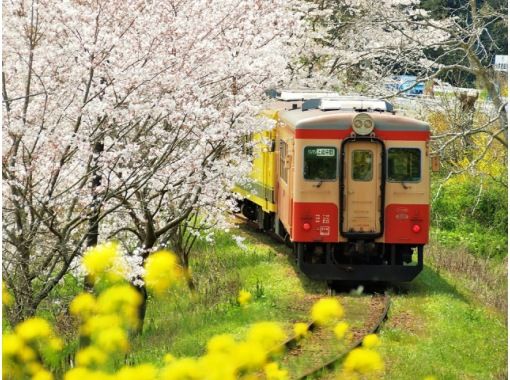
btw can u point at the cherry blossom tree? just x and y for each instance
(123, 118)
(356, 46)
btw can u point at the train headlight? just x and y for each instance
(306, 226)
(416, 228)
(363, 124)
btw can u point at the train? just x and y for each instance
(345, 181)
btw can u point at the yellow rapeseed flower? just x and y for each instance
(26, 354)
(430, 378)
(98, 323)
(340, 330)
(80, 373)
(6, 296)
(34, 328)
(42, 375)
(363, 361)
(186, 368)
(274, 373)
(83, 305)
(161, 271)
(244, 297)
(169, 358)
(122, 300)
(90, 356)
(140, 372)
(103, 261)
(223, 343)
(34, 367)
(371, 341)
(249, 356)
(300, 330)
(327, 311)
(218, 366)
(56, 344)
(268, 334)
(11, 344)
(113, 339)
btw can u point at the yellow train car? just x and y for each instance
(259, 192)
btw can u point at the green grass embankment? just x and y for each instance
(449, 323)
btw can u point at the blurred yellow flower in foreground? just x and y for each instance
(186, 368)
(83, 305)
(363, 361)
(34, 328)
(91, 356)
(274, 373)
(162, 271)
(139, 372)
(268, 334)
(327, 311)
(300, 330)
(371, 341)
(122, 300)
(244, 297)
(42, 375)
(340, 330)
(223, 343)
(6, 297)
(103, 261)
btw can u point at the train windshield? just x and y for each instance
(404, 164)
(320, 163)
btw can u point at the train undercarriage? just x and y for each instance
(355, 260)
(359, 261)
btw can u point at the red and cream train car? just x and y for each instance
(349, 188)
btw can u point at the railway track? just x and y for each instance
(382, 304)
(376, 315)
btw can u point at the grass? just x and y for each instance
(450, 322)
(436, 327)
(438, 324)
(484, 279)
(184, 322)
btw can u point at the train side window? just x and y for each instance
(284, 170)
(362, 165)
(404, 164)
(320, 163)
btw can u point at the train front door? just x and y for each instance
(362, 176)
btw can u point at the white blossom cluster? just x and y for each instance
(352, 46)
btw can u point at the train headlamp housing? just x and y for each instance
(363, 124)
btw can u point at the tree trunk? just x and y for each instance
(93, 232)
(142, 309)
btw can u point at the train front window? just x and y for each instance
(404, 164)
(320, 163)
(362, 165)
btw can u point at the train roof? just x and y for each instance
(342, 120)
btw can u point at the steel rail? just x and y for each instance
(332, 362)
